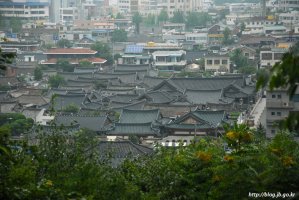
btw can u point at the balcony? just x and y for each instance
(280, 104)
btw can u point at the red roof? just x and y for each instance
(70, 51)
(53, 61)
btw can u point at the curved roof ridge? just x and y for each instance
(147, 110)
(129, 124)
(198, 90)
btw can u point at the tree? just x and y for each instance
(85, 63)
(16, 25)
(38, 74)
(103, 50)
(163, 16)
(119, 16)
(178, 17)
(227, 36)
(72, 108)
(197, 19)
(150, 20)
(64, 43)
(137, 19)
(239, 59)
(285, 74)
(56, 81)
(5, 60)
(65, 65)
(119, 35)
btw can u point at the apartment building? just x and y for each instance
(288, 5)
(25, 9)
(278, 107)
(217, 63)
(270, 56)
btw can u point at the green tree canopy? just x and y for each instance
(137, 19)
(72, 108)
(163, 16)
(239, 59)
(119, 16)
(56, 81)
(227, 38)
(85, 63)
(285, 74)
(197, 19)
(119, 35)
(64, 43)
(65, 65)
(5, 60)
(103, 50)
(150, 20)
(178, 17)
(16, 24)
(38, 74)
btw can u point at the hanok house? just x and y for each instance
(193, 124)
(73, 55)
(141, 123)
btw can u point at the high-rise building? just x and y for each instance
(25, 9)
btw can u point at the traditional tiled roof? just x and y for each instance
(118, 151)
(150, 81)
(139, 116)
(139, 105)
(32, 99)
(53, 61)
(158, 97)
(213, 117)
(133, 129)
(70, 51)
(213, 83)
(74, 76)
(123, 77)
(61, 101)
(204, 119)
(204, 96)
(127, 98)
(95, 123)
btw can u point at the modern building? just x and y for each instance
(169, 60)
(217, 63)
(73, 55)
(288, 5)
(278, 107)
(26, 9)
(268, 57)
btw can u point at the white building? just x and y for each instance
(68, 15)
(269, 57)
(169, 60)
(257, 25)
(290, 18)
(25, 9)
(217, 63)
(197, 38)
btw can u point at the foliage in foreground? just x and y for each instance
(65, 167)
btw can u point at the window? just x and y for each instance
(224, 62)
(273, 96)
(209, 62)
(216, 62)
(278, 113)
(279, 96)
(273, 131)
(272, 113)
